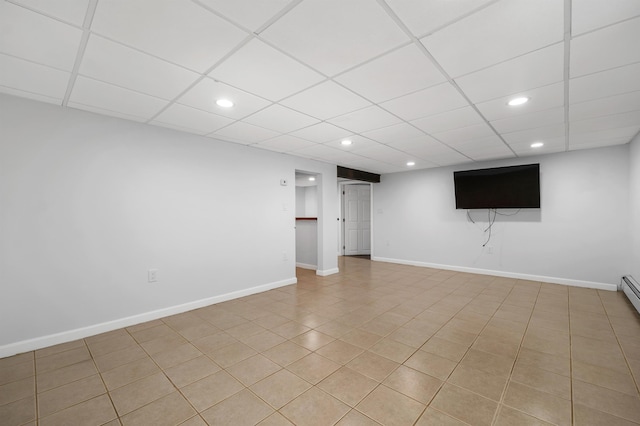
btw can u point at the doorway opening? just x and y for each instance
(356, 219)
(306, 227)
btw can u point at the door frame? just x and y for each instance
(341, 190)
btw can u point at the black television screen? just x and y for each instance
(498, 188)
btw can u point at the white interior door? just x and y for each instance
(357, 219)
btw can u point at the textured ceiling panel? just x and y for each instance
(420, 80)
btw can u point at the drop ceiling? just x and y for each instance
(405, 80)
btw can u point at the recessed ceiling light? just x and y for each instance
(311, 178)
(411, 163)
(537, 144)
(518, 101)
(346, 142)
(224, 103)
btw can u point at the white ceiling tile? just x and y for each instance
(477, 131)
(34, 37)
(277, 75)
(606, 83)
(245, 133)
(373, 166)
(605, 106)
(326, 100)
(250, 14)
(113, 98)
(334, 35)
(441, 98)
(550, 146)
(588, 15)
(508, 28)
(408, 145)
(403, 71)
(420, 164)
(107, 112)
(198, 121)
(487, 153)
(539, 134)
(358, 143)
(540, 99)
(321, 132)
(478, 142)
(284, 143)
(325, 153)
(603, 137)
(607, 48)
(32, 78)
(380, 152)
(178, 31)
(125, 67)
(72, 11)
(206, 92)
(599, 143)
(281, 119)
(424, 16)
(461, 117)
(597, 124)
(529, 121)
(536, 69)
(29, 95)
(450, 159)
(391, 135)
(366, 119)
(428, 148)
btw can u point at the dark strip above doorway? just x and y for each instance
(344, 172)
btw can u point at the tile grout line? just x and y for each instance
(633, 377)
(507, 384)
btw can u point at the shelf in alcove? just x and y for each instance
(306, 218)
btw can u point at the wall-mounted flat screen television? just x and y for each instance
(498, 188)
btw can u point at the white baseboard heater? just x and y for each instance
(632, 289)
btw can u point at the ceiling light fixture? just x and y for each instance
(411, 163)
(346, 142)
(224, 103)
(537, 144)
(518, 101)
(311, 178)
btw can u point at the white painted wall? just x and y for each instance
(307, 244)
(89, 203)
(311, 201)
(634, 198)
(306, 201)
(579, 236)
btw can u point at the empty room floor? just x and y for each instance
(377, 343)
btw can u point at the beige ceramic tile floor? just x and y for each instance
(376, 344)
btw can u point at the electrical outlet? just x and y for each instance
(489, 250)
(153, 275)
(284, 256)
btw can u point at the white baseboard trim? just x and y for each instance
(325, 272)
(80, 333)
(306, 266)
(541, 278)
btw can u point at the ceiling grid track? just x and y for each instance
(567, 70)
(422, 84)
(86, 32)
(451, 81)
